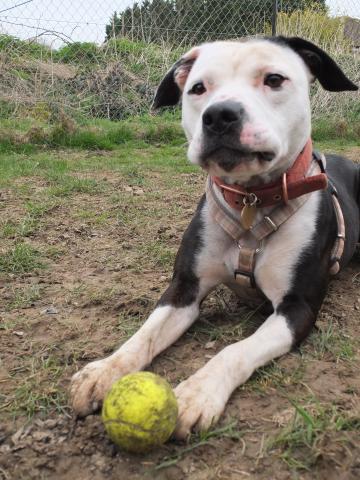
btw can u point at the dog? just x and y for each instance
(272, 221)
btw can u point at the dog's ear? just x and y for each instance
(170, 89)
(320, 64)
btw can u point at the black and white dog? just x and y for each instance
(246, 114)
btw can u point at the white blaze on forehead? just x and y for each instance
(220, 61)
(278, 119)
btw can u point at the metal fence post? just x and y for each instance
(274, 17)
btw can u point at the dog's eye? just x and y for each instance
(274, 80)
(197, 89)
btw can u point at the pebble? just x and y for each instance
(49, 311)
(18, 333)
(42, 435)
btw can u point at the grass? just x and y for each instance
(58, 194)
(39, 392)
(21, 258)
(30, 223)
(24, 297)
(204, 438)
(28, 137)
(343, 131)
(304, 440)
(331, 341)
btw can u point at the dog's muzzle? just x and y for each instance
(222, 124)
(223, 118)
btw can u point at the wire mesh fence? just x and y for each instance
(104, 59)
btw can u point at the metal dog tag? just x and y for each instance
(248, 213)
(248, 216)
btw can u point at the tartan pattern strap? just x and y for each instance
(221, 213)
(231, 224)
(244, 274)
(270, 223)
(338, 248)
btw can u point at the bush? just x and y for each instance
(81, 53)
(316, 26)
(14, 47)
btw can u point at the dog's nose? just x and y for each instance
(222, 116)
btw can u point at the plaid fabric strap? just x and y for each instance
(338, 248)
(230, 223)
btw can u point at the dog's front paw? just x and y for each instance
(90, 385)
(201, 401)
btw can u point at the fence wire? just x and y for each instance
(104, 59)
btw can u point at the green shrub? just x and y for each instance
(81, 53)
(14, 47)
(316, 26)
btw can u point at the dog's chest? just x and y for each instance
(277, 260)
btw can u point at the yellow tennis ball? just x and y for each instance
(140, 412)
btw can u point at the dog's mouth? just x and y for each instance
(229, 158)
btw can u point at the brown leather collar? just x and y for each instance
(292, 184)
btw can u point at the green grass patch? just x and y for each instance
(66, 185)
(30, 223)
(340, 131)
(24, 228)
(24, 297)
(21, 258)
(330, 341)
(27, 137)
(39, 392)
(14, 48)
(159, 253)
(305, 438)
(204, 438)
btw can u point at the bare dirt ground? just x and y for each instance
(98, 262)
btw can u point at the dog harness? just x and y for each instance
(286, 196)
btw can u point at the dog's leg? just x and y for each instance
(165, 325)
(203, 396)
(177, 309)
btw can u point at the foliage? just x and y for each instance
(312, 24)
(15, 47)
(79, 52)
(179, 21)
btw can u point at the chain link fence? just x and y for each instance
(104, 59)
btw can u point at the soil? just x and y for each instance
(97, 279)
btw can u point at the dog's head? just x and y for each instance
(245, 104)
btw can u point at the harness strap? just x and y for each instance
(244, 274)
(270, 223)
(338, 248)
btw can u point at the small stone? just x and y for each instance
(42, 436)
(17, 435)
(18, 333)
(49, 311)
(284, 417)
(209, 345)
(50, 423)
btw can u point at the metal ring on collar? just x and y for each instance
(250, 200)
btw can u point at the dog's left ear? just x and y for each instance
(170, 89)
(320, 64)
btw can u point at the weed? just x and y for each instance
(20, 259)
(39, 392)
(68, 185)
(24, 297)
(304, 440)
(341, 130)
(159, 254)
(330, 340)
(205, 438)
